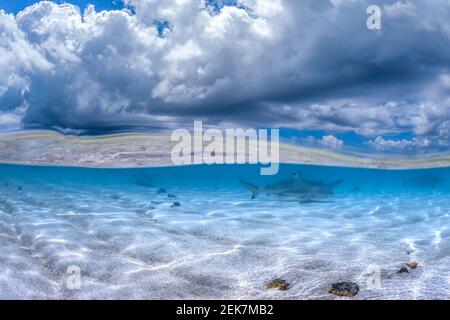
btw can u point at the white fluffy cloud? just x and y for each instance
(332, 142)
(379, 143)
(302, 64)
(18, 58)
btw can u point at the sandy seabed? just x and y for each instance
(208, 240)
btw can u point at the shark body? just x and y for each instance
(304, 189)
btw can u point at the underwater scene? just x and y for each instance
(224, 232)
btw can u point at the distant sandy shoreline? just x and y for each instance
(131, 150)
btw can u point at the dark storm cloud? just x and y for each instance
(302, 64)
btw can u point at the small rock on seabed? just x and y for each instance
(344, 289)
(279, 284)
(161, 190)
(403, 270)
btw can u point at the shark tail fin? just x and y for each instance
(254, 189)
(335, 183)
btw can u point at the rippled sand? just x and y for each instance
(131, 242)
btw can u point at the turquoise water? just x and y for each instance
(129, 241)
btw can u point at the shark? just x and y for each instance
(305, 190)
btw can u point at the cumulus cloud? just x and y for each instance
(332, 142)
(379, 143)
(303, 64)
(9, 119)
(18, 58)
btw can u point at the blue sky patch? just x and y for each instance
(15, 6)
